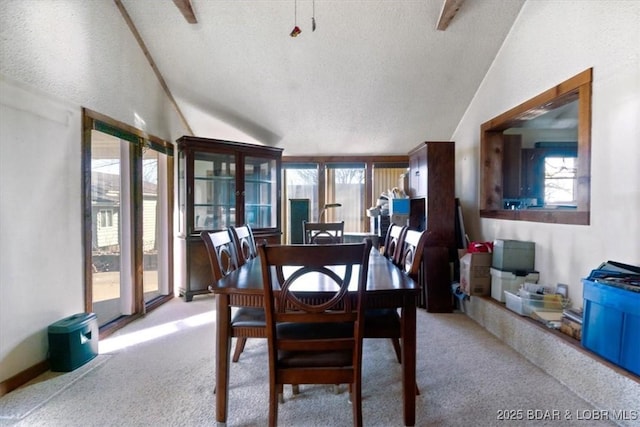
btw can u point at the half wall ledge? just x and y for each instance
(605, 385)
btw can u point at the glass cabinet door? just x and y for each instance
(182, 190)
(260, 192)
(214, 191)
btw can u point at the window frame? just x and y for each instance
(370, 162)
(492, 149)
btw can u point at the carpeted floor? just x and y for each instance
(160, 372)
(20, 403)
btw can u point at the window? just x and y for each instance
(560, 178)
(301, 182)
(345, 185)
(355, 184)
(387, 176)
(105, 218)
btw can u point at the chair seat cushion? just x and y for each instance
(314, 331)
(249, 317)
(382, 323)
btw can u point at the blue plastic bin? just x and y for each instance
(611, 323)
(399, 207)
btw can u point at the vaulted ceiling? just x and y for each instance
(375, 77)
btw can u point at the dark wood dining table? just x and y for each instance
(387, 287)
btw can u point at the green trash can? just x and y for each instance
(73, 341)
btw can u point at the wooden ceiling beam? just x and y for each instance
(154, 67)
(186, 10)
(449, 10)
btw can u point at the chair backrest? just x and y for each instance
(244, 243)
(290, 271)
(412, 252)
(393, 242)
(221, 251)
(322, 233)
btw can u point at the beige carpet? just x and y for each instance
(161, 373)
(21, 402)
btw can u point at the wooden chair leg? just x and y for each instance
(356, 402)
(396, 347)
(275, 394)
(280, 394)
(240, 342)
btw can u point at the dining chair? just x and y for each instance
(393, 242)
(322, 233)
(315, 337)
(385, 322)
(245, 247)
(247, 322)
(244, 243)
(412, 251)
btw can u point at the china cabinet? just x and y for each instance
(222, 184)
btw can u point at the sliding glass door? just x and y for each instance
(106, 232)
(155, 244)
(128, 212)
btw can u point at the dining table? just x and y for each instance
(387, 287)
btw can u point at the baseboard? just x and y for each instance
(28, 374)
(23, 377)
(603, 384)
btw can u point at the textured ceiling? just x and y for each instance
(375, 77)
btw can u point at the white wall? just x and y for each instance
(550, 42)
(56, 57)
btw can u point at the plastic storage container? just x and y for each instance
(513, 255)
(611, 323)
(509, 281)
(526, 306)
(399, 207)
(73, 341)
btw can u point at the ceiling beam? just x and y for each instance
(449, 10)
(154, 67)
(187, 10)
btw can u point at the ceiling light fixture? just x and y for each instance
(296, 30)
(313, 16)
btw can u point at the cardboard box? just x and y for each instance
(475, 278)
(403, 183)
(571, 328)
